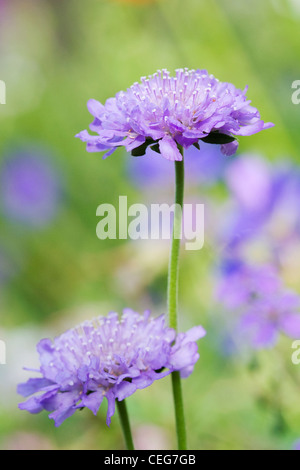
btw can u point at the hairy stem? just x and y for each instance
(173, 277)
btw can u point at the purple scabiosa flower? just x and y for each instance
(262, 306)
(163, 112)
(30, 188)
(108, 357)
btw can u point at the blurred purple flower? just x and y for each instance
(249, 179)
(205, 167)
(263, 196)
(108, 357)
(263, 307)
(296, 446)
(3, 4)
(164, 111)
(30, 188)
(267, 317)
(240, 283)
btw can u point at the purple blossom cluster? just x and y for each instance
(107, 357)
(266, 200)
(30, 188)
(163, 112)
(263, 220)
(262, 306)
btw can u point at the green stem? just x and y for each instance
(122, 409)
(175, 246)
(173, 277)
(179, 411)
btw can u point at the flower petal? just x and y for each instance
(184, 356)
(66, 407)
(33, 386)
(32, 405)
(124, 390)
(169, 150)
(111, 407)
(92, 401)
(290, 324)
(229, 149)
(195, 333)
(95, 108)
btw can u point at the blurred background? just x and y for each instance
(54, 272)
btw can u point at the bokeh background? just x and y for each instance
(54, 272)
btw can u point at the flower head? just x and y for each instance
(163, 112)
(108, 357)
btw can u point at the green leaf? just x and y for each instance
(196, 144)
(218, 138)
(155, 147)
(141, 150)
